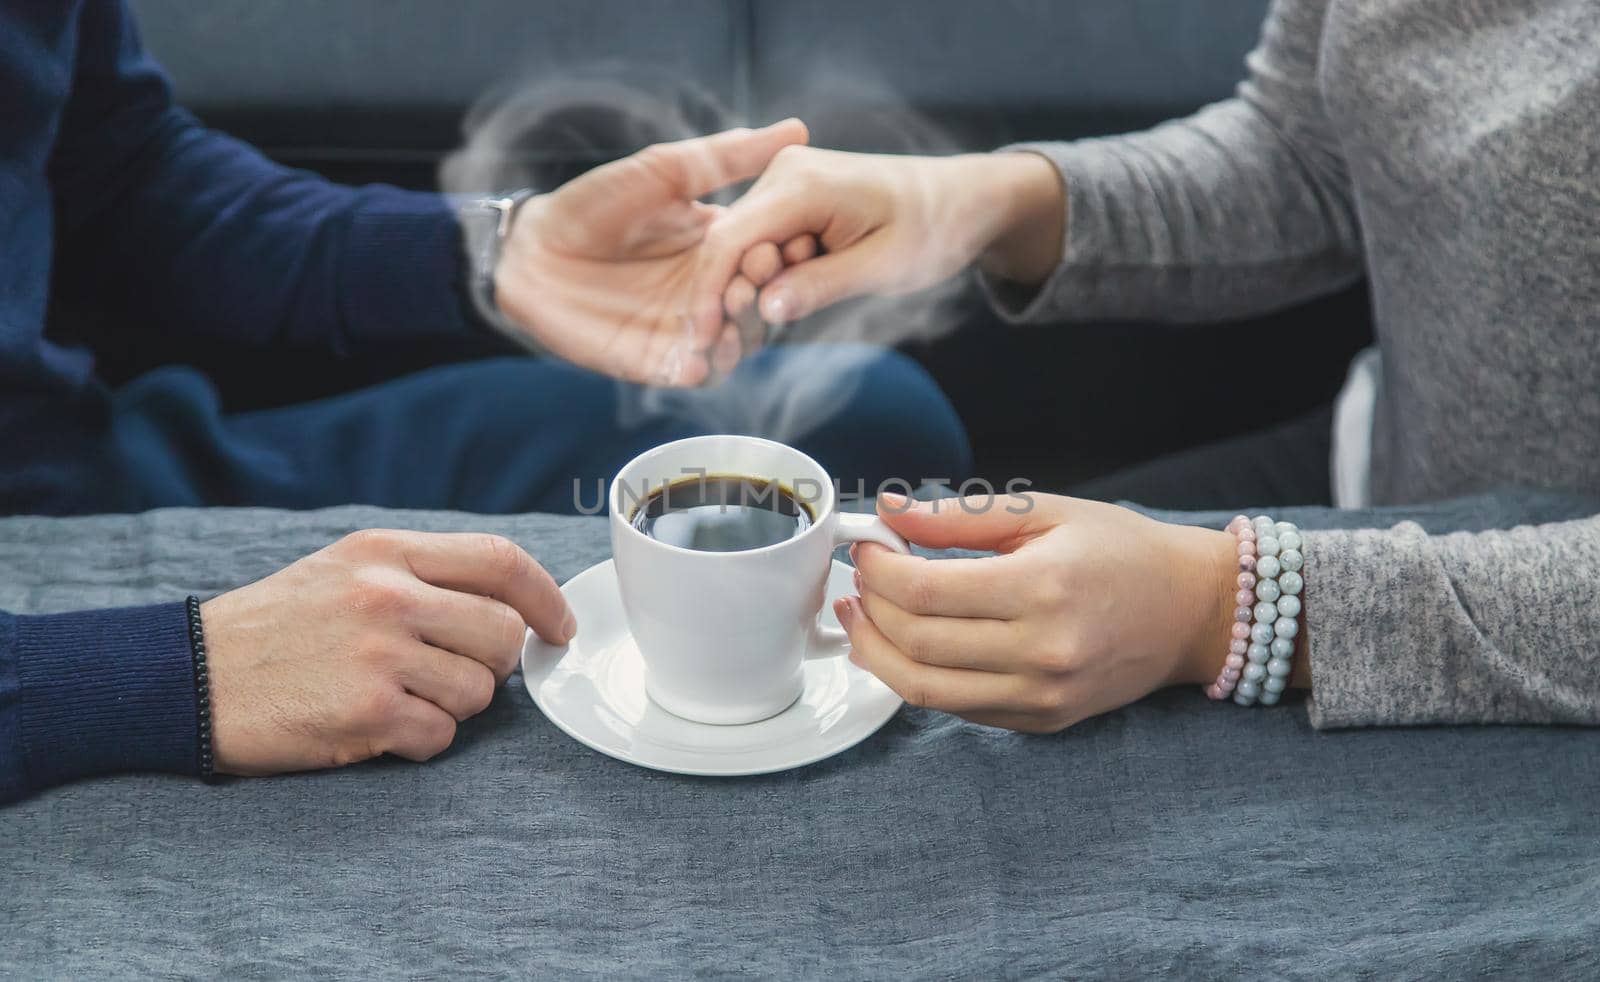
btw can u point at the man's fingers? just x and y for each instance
(483, 629)
(669, 354)
(704, 164)
(981, 643)
(725, 356)
(668, 231)
(944, 587)
(739, 300)
(664, 351)
(417, 730)
(460, 686)
(951, 690)
(685, 369)
(491, 566)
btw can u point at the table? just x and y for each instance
(1172, 838)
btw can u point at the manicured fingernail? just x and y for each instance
(569, 627)
(891, 501)
(855, 554)
(776, 305)
(844, 608)
(858, 580)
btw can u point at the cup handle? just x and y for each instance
(831, 642)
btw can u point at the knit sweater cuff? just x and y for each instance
(1070, 292)
(404, 268)
(105, 691)
(1391, 640)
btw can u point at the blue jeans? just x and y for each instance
(517, 434)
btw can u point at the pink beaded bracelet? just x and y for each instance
(1233, 666)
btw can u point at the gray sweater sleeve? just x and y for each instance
(1242, 208)
(1247, 206)
(1469, 627)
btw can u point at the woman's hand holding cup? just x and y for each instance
(1084, 608)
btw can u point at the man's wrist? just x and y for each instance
(106, 691)
(486, 224)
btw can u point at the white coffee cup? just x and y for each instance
(724, 635)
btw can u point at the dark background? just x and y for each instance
(364, 90)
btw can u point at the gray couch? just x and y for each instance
(377, 90)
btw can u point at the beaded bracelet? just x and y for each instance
(1233, 665)
(1261, 652)
(202, 691)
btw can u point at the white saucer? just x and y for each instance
(593, 689)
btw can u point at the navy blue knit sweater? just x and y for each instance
(188, 229)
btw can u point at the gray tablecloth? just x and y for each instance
(1173, 837)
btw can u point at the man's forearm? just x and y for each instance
(95, 692)
(194, 231)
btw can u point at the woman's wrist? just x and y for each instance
(1300, 678)
(1024, 197)
(1211, 572)
(1214, 572)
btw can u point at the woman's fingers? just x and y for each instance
(981, 643)
(998, 522)
(800, 248)
(1034, 723)
(765, 214)
(951, 690)
(761, 263)
(805, 288)
(986, 587)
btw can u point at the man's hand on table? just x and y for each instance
(379, 643)
(599, 271)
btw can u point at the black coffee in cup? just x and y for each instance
(722, 513)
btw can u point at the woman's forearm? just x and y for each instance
(1401, 627)
(1244, 207)
(1482, 627)
(1027, 195)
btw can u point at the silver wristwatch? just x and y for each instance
(485, 223)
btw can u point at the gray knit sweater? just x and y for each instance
(1449, 151)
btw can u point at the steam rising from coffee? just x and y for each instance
(543, 132)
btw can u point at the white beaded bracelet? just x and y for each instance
(1275, 560)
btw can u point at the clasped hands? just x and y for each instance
(626, 271)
